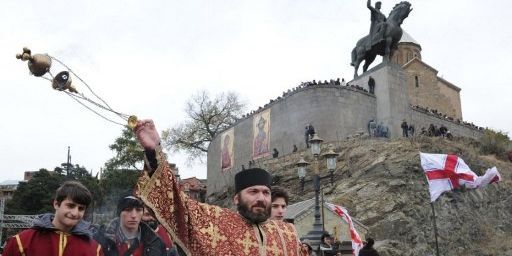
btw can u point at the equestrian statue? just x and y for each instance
(385, 33)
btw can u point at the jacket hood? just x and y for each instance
(44, 221)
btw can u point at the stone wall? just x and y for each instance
(426, 89)
(423, 119)
(334, 111)
(391, 92)
(453, 93)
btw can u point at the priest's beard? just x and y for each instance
(254, 217)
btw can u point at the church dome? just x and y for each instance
(406, 38)
(408, 49)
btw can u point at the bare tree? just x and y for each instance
(206, 117)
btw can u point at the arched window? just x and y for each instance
(416, 81)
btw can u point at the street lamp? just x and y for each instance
(315, 145)
(331, 157)
(301, 171)
(315, 142)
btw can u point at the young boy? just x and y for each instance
(63, 233)
(127, 235)
(279, 203)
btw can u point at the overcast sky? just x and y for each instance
(148, 57)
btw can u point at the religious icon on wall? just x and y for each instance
(261, 135)
(226, 142)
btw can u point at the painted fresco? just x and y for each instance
(227, 149)
(261, 135)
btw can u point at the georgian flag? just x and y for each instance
(357, 243)
(448, 172)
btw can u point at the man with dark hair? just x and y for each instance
(371, 85)
(62, 233)
(405, 129)
(275, 153)
(368, 249)
(279, 203)
(202, 229)
(149, 218)
(126, 234)
(326, 245)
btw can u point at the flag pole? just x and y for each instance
(435, 227)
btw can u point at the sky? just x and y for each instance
(148, 57)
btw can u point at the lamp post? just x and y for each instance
(301, 171)
(315, 142)
(331, 157)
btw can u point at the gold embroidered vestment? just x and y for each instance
(203, 229)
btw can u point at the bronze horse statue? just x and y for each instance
(386, 40)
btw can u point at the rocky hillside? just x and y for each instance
(382, 185)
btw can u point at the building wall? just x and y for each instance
(334, 111)
(405, 53)
(422, 119)
(429, 91)
(453, 96)
(392, 101)
(426, 90)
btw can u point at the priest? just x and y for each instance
(203, 229)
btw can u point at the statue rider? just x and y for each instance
(377, 19)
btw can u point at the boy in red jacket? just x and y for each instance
(61, 234)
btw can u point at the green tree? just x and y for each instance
(206, 117)
(122, 171)
(128, 153)
(36, 195)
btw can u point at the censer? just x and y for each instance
(39, 65)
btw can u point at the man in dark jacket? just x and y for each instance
(405, 129)
(368, 249)
(127, 235)
(326, 245)
(149, 218)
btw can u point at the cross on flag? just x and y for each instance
(447, 172)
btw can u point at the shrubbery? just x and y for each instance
(495, 142)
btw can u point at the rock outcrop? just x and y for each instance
(382, 185)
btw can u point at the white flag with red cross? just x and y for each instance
(448, 172)
(357, 243)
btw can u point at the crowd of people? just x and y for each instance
(334, 82)
(134, 231)
(435, 131)
(438, 114)
(407, 129)
(377, 130)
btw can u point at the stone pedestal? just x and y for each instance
(391, 95)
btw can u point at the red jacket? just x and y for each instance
(44, 240)
(34, 242)
(166, 238)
